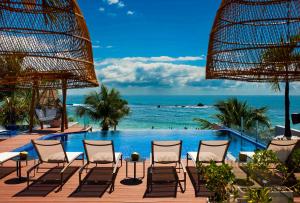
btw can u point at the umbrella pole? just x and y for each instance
(63, 116)
(31, 114)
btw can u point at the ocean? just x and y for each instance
(178, 112)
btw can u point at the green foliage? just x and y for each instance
(71, 119)
(258, 195)
(262, 159)
(106, 106)
(296, 158)
(219, 179)
(265, 161)
(14, 109)
(204, 124)
(232, 110)
(262, 162)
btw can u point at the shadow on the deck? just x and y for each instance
(95, 183)
(5, 171)
(165, 184)
(203, 192)
(48, 182)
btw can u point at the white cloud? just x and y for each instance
(111, 2)
(130, 12)
(152, 59)
(101, 9)
(121, 4)
(157, 72)
(97, 46)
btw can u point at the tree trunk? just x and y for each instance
(105, 127)
(287, 131)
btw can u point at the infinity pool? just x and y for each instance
(129, 141)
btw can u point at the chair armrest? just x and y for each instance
(83, 167)
(63, 170)
(116, 165)
(183, 166)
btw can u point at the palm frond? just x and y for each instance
(204, 124)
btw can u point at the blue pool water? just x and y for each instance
(128, 141)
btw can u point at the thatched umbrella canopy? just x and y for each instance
(256, 40)
(50, 41)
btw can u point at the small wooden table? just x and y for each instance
(135, 179)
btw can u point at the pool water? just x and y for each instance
(129, 141)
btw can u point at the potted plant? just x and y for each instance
(219, 179)
(262, 168)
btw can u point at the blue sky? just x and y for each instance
(156, 47)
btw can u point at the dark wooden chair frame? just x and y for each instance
(178, 165)
(36, 166)
(115, 165)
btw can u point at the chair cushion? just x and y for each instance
(51, 112)
(57, 157)
(165, 157)
(209, 156)
(40, 113)
(102, 157)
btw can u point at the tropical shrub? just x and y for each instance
(258, 195)
(219, 179)
(14, 108)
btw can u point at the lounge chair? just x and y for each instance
(166, 152)
(101, 152)
(52, 151)
(282, 148)
(6, 156)
(208, 151)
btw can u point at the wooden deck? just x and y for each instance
(11, 190)
(20, 140)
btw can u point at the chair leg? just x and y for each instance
(61, 182)
(187, 159)
(112, 187)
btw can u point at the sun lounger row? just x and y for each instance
(162, 153)
(102, 152)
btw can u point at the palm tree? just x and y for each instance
(231, 112)
(280, 59)
(106, 106)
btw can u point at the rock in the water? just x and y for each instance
(200, 104)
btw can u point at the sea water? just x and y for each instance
(178, 112)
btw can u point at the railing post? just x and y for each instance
(256, 133)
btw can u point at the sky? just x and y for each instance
(157, 47)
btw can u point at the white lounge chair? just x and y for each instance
(282, 148)
(52, 151)
(208, 151)
(166, 152)
(6, 156)
(214, 150)
(101, 152)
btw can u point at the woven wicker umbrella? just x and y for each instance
(256, 41)
(52, 39)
